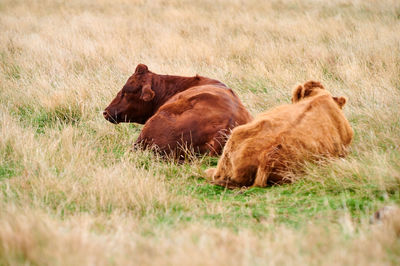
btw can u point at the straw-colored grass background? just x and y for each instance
(71, 193)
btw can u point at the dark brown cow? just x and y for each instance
(178, 112)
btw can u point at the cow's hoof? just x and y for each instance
(210, 173)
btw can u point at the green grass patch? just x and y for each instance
(292, 204)
(41, 119)
(9, 161)
(9, 169)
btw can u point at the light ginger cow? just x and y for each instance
(279, 141)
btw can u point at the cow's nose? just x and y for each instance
(105, 114)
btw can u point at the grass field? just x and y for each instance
(72, 193)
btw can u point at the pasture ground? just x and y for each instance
(71, 193)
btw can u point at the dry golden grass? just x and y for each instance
(71, 193)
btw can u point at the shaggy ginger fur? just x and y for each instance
(278, 141)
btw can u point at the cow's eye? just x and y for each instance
(127, 93)
(133, 91)
(130, 90)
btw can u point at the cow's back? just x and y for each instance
(221, 99)
(202, 116)
(314, 126)
(318, 127)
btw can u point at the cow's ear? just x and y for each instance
(298, 94)
(341, 101)
(147, 93)
(141, 69)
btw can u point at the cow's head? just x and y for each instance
(312, 88)
(134, 102)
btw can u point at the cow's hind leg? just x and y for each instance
(268, 161)
(261, 176)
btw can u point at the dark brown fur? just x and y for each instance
(178, 112)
